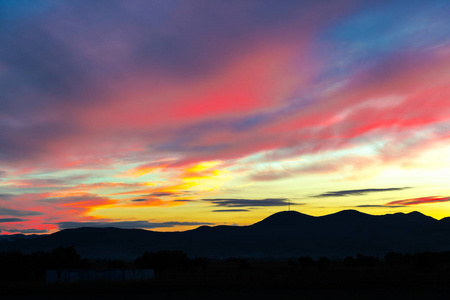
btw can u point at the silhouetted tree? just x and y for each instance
(13, 265)
(306, 262)
(292, 265)
(201, 262)
(65, 257)
(241, 263)
(146, 260)
(367, 261)
(174, 260)
(395, 259)
(350, 262)
(444, 260)
(37, 263)
(425, 261)
(116, 264)
(323, 263)
(19, 266)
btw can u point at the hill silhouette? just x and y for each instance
(282, 234)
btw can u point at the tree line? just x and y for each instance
(16, 266)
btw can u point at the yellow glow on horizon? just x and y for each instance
(194, 182)
(204, 177)
(203, 166)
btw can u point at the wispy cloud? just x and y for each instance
(231, 210)
(357, 192)
(129, 224)
(378, 206)
(150, 201)
(139, 200)
(18, 212)
(235, 202)
(163, 194)
(24, 231)
(11, 220)
(6, 197)
(417, 201)
(83, 202)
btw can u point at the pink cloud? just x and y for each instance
(366, 108)
(345, 165)
(44, 209)
(417, 201)
(262, 78)
(205, 81)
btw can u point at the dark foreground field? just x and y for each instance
(242, 279)
(346, 293)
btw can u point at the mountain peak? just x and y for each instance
(287, 214)
(283, 219)
(416, 213)
(350, 214)
(284, 233)
(420, 216)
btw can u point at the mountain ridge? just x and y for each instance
(283, 234)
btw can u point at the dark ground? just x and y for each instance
(255, 294)
(255, 280)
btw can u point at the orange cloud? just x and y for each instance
(44, 209)
(141, 170)
(81, 202)
(152, 201)
(192, 180)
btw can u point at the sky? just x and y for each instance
(168, 115)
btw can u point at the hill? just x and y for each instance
(282, 234)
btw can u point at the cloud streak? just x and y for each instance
(11, 220)
(6, 197)
(418, 201)
(359, 192)
(378, 206)
(129, 224)
(231, 202)
(231, 210)
(18, 212)
(24, 231)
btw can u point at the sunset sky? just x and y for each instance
(167, 115)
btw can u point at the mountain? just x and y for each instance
(282, 234)
(16, 237)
